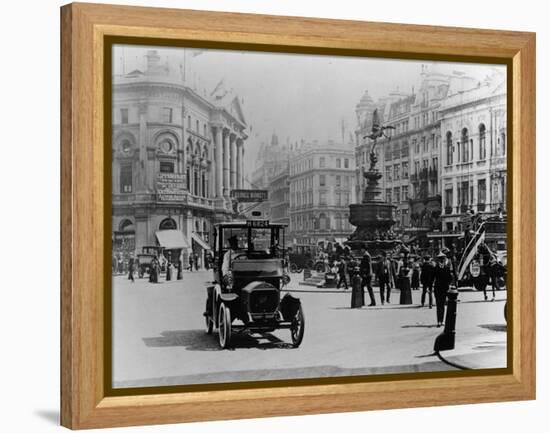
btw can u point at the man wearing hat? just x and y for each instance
(366, 276)
(385, 277)
(443, 278)
(427, 280)
(229, 254)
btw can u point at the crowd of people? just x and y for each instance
(433, 274)
(128, 264)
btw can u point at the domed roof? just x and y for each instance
(366, 101)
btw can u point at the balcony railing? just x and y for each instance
(448, 210)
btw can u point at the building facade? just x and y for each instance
(176, 157)
(473, 126)
(321, 186)
(446, 154)
(279, 198)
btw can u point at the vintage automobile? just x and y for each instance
(145, 257)
(247, 299)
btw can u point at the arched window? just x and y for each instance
(482, 142)
(449, 142)
(126, 226)
(196, 183)
(168, 224)
(502, 150)
(464, 140)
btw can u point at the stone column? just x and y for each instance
(455, 195)
(142, 142)
(219, 163)
(239, 164)
(233, 160)
(242, 164)
(226, 163)
(183, 162)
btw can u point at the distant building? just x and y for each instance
(279, 196)
(272, 160)
(176, 157)
(322, 185)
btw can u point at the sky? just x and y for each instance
(296, 96)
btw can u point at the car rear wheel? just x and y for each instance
(208, 319)
(224, 326)
(297, 328)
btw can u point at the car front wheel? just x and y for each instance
(297, 328)
(208, 319)
(224, 326)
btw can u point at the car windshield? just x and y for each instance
(260, 240)
(253, 241)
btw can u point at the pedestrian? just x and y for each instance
(196, 261)
(190, 268)
(120, 264)
(179, 267)
(385, 278)
(493, 276)
(153, 270)
(415, 278)
(342, 271)
(357, 291)
(168, 270)
(366, 276)
(443, 278)
(131, 269)
(427, 280)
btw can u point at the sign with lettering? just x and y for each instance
(249, 195)
(171, 187)
(257, 223)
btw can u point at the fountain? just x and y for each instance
(373, 217)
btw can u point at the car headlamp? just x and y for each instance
(286, 279)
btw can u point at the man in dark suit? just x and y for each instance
(427, 280)
(131, 265)
(366, 276)
(385, 277)
(342, 271)
(443, 278)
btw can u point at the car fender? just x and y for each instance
(289, 306)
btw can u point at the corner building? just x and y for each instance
(176, 156)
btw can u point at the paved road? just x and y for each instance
(159, 337)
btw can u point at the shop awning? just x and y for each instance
(171, 239)
(200, 241)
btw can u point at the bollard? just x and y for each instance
(405, 296)
(446, 340)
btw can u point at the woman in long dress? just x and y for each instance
(357, 290)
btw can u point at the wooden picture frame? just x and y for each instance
(85, 219)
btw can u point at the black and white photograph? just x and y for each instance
(293, 216)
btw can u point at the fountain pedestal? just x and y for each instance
(373, 217)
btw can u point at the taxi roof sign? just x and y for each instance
(249, 195)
